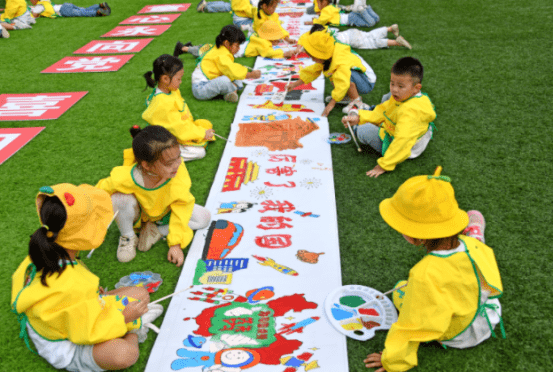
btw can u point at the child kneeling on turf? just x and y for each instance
(151, 191)
(166, 107)
(401, 127)
(349, 73)
(73, 323)
(451, 294)
(217, 73)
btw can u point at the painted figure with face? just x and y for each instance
(226, 360)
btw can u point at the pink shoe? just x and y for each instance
(476, 226)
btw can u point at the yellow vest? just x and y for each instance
(329, 15)
(261, 47)
(243, 8)
(49, 11)
(259, 21)
(219, 61)
(14, 9)
(171, 112)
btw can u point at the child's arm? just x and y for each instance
(180, 234)
(231, 69)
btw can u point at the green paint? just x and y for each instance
(352, 301)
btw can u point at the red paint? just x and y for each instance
(274, 241)
(368, 312)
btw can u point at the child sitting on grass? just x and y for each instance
(217, 73)
(331, 14)
(151, 191)
(73, 323)
(349, 73)
(45, 8)
(16, 16)
(260, 44)
(401, 127)
(452, 293)
(166, 107)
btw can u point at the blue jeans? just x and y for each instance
(365, 18)
(212, 88)
(218, 7)
(368, 134)
(363, 85)
(70, 10)
(239, 21)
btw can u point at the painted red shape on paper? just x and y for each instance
(240, 171)
(277, 158)
(274, 223)
(165, 8)
(281, 171)
(88, 64)
(281, 86)
(13, 139)
(113, 46)
(125, 31)
(37, 106)
(276, 135)
(287, 107)
(276, 206)
(289, 184)
(263, 88)
(275, 241)
(291, 14)
(149, 19)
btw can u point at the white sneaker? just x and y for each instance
(201, 6)
(154, 311)
(20, 25)
(149, 235)
(248, 28)
(394, 29)
(358, 8)
(231, 97)
(400, 40)
(356, 104)
(126, 250)
(5, 34)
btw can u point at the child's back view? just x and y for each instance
(402, 126)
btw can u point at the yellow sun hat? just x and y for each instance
(424, 207)
(319, 44)
(89, 212)
(271, 30)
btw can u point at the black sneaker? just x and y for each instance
(201, 5)
(178, 49)
(107, 10)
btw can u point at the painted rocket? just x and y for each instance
(288, 329)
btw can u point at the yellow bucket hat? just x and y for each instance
(271, 30)
(424, 207)
(319, 44)
(89, 213)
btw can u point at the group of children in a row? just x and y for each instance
(18, 16)
(451, 293)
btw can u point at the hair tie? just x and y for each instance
(46, 227)
(442, 178)
(49, 234)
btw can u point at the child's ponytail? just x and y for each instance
(163, 65)
(230, 33)
(45, 253)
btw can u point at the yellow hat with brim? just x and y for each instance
(318, 44)
(89, 212)
(424, 207)
(271, 30)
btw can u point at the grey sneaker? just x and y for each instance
(400, 40)
(149, 235)
(21, 25)
(201, 6)
(394, 29)
(4, 34)
(231, 97)
(126, 250)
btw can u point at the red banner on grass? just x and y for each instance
(124, 31)
(164, 8)
(88, 64)
(36, 106)
(113, 46)
(146, 19)
(13, 139)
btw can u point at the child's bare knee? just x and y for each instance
(126, 355)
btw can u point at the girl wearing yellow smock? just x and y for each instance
(151, 192)
(16, 15)
(266, 12)
(73, 323)
(452, 293)
(217, 73)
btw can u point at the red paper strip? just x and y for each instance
(36, 106)
(13, 139)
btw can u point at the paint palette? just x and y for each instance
(357, 311)
(147, 279)
(338, 138)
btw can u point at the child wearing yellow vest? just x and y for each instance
(45, 8)
(73, 323)
(452, 293)
(166, 107)
(16, 16)
(331, 14)
(401, 127)
(151, 193)
(348, 72)
(266, 12)
(257, 44)
(217, 73)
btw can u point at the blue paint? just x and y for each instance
(340, 314)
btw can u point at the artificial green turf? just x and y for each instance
(487, 70)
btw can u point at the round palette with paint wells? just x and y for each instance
(357, 311)
(339, 138)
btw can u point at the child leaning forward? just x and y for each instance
(401, 127)
(452, 293)
(73, 323)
